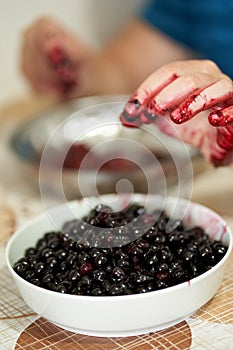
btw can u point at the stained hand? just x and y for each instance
(197, 97)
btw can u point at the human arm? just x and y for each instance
(118, 67)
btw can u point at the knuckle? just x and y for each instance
(210, 66)
(167, 69)
(226, 83)
(193, 81)
(43, 20)
(227, 80)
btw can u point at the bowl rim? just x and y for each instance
(89, 298)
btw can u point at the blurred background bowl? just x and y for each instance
(79, 148)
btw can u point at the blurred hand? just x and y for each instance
(52, 58)
(197, 97)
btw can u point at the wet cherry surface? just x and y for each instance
(119, 253)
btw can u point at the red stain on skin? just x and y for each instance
(64, 69)
(217, 119)
(153, 106)
(222, 118)
(141, 108)
(147, 96)
(225, 138)
(225, 141)
(183, 113)
(138, 115)
(56, 55)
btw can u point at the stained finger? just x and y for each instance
(202, 99)
(179, 90)
(224, 117)
(142, 107)
(137, 110)
(170, 72)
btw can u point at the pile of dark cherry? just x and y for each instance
(135, 254)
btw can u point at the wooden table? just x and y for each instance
(20, 328)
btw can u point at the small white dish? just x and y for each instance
(121, 315)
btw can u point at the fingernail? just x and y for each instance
(128, 123)
(218, 119)
(179, 116)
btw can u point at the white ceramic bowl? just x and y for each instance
(120, 315)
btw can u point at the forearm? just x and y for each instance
(77, 70)
(101, 75)
(128, 59)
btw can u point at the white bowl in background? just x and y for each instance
(92, 124)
